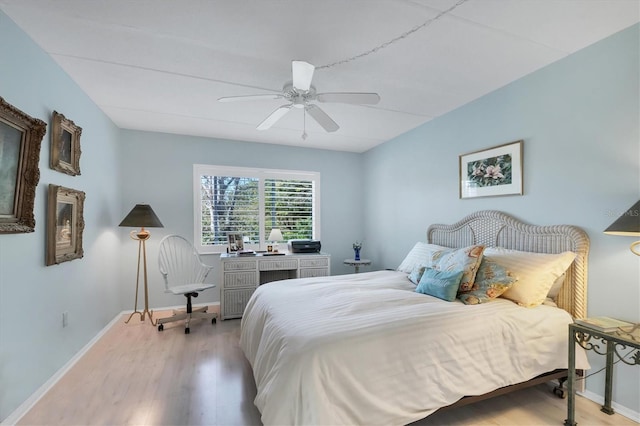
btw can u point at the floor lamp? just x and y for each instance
(142, 215)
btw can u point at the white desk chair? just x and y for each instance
(184, 273)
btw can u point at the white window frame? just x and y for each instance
(211, 170)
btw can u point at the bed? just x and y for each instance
(368, 349)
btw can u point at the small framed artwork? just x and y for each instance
(20, 139)
(65, 145)
(236, 243)
(492, 171)
(65, 224)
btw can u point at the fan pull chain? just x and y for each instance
(393, 40)
(304, 124)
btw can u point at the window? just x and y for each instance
(251, 202)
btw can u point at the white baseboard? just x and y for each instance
(24, 408)
(619, 409)
(42, 390)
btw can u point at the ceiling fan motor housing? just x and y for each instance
(298, 98)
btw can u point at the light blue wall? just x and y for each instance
(119, 169)
(158, 169)
(579, 121)
(33, 343)
(578, 117)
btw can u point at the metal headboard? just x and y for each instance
(497, 229)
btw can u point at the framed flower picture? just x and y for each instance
(492, 171)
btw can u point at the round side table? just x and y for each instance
(357, 263)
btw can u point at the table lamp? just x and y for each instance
(274, 236)
(628, 225)
(142, 215)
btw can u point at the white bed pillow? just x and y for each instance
(554, 291)
(536, 272)
(420, 254)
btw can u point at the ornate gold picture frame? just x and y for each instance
(20, 139)
(65, 145)
(65, 224)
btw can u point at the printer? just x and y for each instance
(304, 246)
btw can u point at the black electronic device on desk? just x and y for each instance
(304, 246)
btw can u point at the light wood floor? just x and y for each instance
(139, 376)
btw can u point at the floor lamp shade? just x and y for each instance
(141, 216)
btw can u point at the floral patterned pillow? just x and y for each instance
(491, 281)
(466, 259)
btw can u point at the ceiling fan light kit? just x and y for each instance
(300, 94)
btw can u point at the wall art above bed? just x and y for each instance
(492, 171)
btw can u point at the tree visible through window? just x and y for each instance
(229, 204)
(289, 207)
(252, 202)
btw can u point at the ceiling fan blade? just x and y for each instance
(274, 116)
(349, 97)
(302, 74)
(322, 118)
(250, 97)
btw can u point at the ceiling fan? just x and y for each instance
(300, 93)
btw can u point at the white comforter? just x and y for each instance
(366, 349)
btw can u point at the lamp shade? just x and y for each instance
(142, 216)
(275, 235)
(628, 224)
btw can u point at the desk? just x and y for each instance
(357, 263)
(241, 275)
(612, 343)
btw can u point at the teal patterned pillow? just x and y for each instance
(441, 284)
(491, 281)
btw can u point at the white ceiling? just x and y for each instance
(161, 65)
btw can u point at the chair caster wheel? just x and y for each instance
(186, 330)
(160, 327)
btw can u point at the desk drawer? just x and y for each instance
(243, 265)
(314, 263)
(313, 272)
(240, 279)
(234, 302)
(274, 265)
